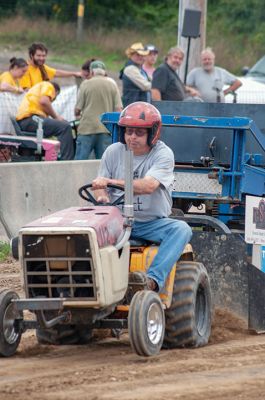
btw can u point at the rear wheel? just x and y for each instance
(64, 334)
(188, 320)
(146, 323)
(9, 337)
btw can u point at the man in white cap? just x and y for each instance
(136, 83)
(95, 97)
(150, 60)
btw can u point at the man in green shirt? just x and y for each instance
(96, 96)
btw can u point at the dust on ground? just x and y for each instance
(230, 367)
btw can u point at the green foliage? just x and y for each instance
(235, 28)
(4, 251)
(240, 16)
(119, 13)
(49, 9)
(139, 14)
(7, 8)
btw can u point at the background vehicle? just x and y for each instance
(257, 72)
(251, 91)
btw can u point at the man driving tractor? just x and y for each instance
(153, 164)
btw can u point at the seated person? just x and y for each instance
(153, 164)
(38, 101)
(9, 80)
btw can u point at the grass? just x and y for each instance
(17, 33)
(4, 251)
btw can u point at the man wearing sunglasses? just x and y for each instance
(153, 164)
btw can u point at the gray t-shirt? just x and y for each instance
(209, 83)
(158, 163)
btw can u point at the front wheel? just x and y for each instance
(146, 323)
(188, 320)
(9, 337)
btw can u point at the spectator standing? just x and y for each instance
(96, 96)
(135, 81)
(150, 60)
(166, 84)
(38, 101)
(209, 80)
(86, 72)
(38, 71)
(9, 80)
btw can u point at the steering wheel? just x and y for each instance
(86, 195)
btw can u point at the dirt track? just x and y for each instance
(230, 367)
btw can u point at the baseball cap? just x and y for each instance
(97, 64)
(151, 48)
(136, 48)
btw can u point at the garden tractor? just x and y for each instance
(80, 273)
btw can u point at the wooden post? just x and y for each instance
(80, 20)
(196, 45)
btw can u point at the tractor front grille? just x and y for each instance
(59, 266)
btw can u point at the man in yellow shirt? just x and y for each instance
(38, 101)
(38, 71)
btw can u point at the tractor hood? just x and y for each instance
(105, 220)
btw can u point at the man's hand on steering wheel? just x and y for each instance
(100, 183)
(103, 199)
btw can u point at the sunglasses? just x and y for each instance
(140, 132)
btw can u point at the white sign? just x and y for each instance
(255, 220)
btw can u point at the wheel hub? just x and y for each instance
(201, 310)
(154, 323)
(9, 324)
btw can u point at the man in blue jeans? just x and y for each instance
(97, 95)
(153, 164)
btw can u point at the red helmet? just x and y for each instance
(141, 115)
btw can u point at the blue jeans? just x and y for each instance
(87, 143)
(172, 235)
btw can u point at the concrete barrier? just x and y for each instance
(31, 190)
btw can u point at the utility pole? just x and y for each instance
(196, 45)
(80, 20)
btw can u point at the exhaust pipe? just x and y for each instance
(128, 202)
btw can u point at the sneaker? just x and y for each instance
(137, 278)
(152, 285)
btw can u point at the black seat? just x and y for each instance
(18, 130)
(141, 242)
